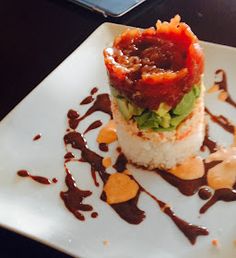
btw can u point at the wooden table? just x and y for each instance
(36, 36)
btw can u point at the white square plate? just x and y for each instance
(37, 211)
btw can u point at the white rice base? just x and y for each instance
(161, 149)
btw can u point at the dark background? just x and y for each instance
(36, 36)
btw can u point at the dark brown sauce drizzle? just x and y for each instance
(204, 193)
(94, 177)
(221, 121)
(94, 90)
(73, 116)
(118, 149)
(224, 194)
(54, 180)
(103, 147)
(37, 137)
(93, 126)
(121, 163)
(82, 160)
(94, 214)
(187, 187)
(102, 103)
(208, 142)
(190, 187)
(189, 230)
(73, 123)
(38, 179)
(126, 210)
(74, 197)
(90, 98)
(69, 155)
(223, 85)
(87, 100)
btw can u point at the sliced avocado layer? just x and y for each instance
(185, 104)
(162, 119)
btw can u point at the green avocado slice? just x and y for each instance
(185, 104)
(148, 120)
